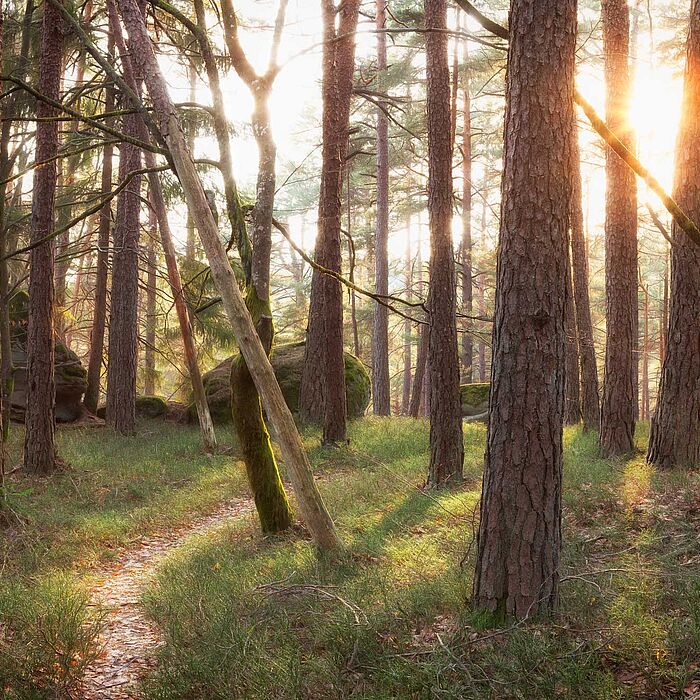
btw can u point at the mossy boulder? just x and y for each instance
(69, 374)
(475, 398)
(287, 362)
(147, 407)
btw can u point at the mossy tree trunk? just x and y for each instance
(269, 494)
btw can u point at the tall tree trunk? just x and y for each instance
(619, 405)
(310, 502)
(466, 247)
(149, 362)
(324, 339)
(446, 444)
(645, 357)
(407, 326)
(39, 448)
(7, 111)
(675, 431)
(123, 321)
(590, 399)
(99, 318)
(663, 330)
(417, 395)
(270, 497)
(381, 393)
(481, 351)
(572, 402)
(519, 543)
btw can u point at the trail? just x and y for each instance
(129, 639)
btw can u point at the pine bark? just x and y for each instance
(675, 431)
(446, 444)
(619, 404)
(466, 247)
(519, 542)
(381, 395)
(123, 321)
(149, 359)
(590, 398)
(39, 447)
(325, 389)
(99, 318)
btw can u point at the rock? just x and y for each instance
(475, 399)
(151, 407)
(70, 376)
(287, 361)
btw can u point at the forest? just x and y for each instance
(349, 349)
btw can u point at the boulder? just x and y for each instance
(287, 362)
(70, 376)
(151, 407)
(475, 399)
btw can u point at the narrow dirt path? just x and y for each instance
(129, 639)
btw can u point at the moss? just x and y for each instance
(287, 362)
(151, 406)
(475, 398)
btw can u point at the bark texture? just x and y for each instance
(123, 320)
(323, 377)
(619, 404)
(446, 445)
(590, 397)
(381, 395)
(39, 448)
(675, 431)
(519, 542)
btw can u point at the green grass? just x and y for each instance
(113, 491)
(245, 616)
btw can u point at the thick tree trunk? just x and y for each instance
(97, 334)
(310, 502)
(123, 321)
(619, 406)
(324, 339)
(675, 432)
(466, 247)
(381, 393)
(39, 448)
(572, 395)
(446, 445)
(590, 399)
(519, 543)
(149, 361)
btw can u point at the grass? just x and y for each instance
(114, 491)
(244, 616)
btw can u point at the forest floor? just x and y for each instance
(230, 614)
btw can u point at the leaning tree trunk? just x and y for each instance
(324, 388)
(675, 431)
(446, 445)
(619, 405)
(381, 396)
(310, 502)
(270, 498)
(39, 448)
(590, 399)
(122, 361)
(519, 543)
